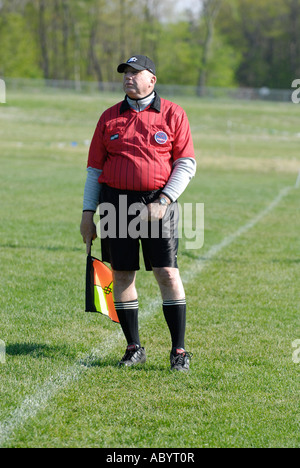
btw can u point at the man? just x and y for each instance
(142, 150)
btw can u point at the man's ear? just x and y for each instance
(153, 80)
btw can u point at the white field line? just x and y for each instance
(298, 181)
(38, 400)
(215, 249)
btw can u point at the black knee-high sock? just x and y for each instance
(175, 315)
(128, 316)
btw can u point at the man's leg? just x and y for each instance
(174, 305)
(127, 308)
(174, 308)
(126, 304)
(124, 286)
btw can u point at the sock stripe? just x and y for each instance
(127, 305)
(174, 302)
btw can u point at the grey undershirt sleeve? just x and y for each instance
(92, 190)
(184, 169)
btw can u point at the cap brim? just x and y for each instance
(121, 68)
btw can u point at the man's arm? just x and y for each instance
(92, 190)
(184, 169)
(88, 229)
(184, 166)
(90, 204)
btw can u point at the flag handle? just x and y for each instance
(89, 253)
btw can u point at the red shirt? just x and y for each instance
(136, 150)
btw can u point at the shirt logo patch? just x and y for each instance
(161, 138)
(114, 137)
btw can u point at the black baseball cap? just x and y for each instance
(138, 62)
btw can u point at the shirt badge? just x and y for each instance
(161, 138)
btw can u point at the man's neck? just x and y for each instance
(141, 104)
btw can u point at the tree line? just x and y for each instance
(251, 43)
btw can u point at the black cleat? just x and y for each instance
(134, 355)
(180, 360)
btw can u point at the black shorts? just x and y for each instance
(122, 232)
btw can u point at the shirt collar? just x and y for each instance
(156, 104)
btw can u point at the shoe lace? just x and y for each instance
(129, 353)
(180, 358)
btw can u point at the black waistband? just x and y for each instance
(133, 196)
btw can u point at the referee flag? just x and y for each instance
(99, 289)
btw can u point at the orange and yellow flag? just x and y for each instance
(99, 289)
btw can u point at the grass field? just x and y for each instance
(60, 386)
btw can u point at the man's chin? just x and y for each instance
(131, 92)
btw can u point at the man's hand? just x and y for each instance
(155, 211)
(88, 229)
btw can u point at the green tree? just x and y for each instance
(209, 13)
(266, 34)
(177, 59)
(222, 64)
(19, 52)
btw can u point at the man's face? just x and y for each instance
(138, 84)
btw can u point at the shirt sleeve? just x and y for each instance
(183, 146)
(97, 152)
